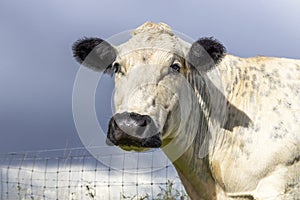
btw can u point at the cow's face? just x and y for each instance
(151, 90)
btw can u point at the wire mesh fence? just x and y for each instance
(76, 174)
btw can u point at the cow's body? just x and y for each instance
(260, 160)
(235, 127)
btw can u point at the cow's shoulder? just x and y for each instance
(267, 90)
(259, 78)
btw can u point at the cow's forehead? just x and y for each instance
(153, 37)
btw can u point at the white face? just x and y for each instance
(153, 99)
(147, 81)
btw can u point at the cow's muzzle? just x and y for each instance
(132, 129)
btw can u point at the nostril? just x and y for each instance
(140, 120)
(133, 115)
(144, 123)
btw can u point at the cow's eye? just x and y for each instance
(116, 67)
(175, 67)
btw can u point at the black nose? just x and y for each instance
(133, 129)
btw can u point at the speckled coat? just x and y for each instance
(232, 131)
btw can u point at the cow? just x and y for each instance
(230, 125)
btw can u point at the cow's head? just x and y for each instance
(150, 73)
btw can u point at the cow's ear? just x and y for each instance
(205, 53)
(94, 53)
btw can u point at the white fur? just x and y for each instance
(258, 160)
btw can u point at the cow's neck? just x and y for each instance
(194, 170)
(193, 165)
(195, 175)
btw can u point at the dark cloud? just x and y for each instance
(37, 70)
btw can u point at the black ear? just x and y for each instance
(94, 53)
(205, 53)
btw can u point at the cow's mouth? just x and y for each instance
(132, 131)
(133, 148)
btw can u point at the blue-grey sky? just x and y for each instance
(37, 71)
